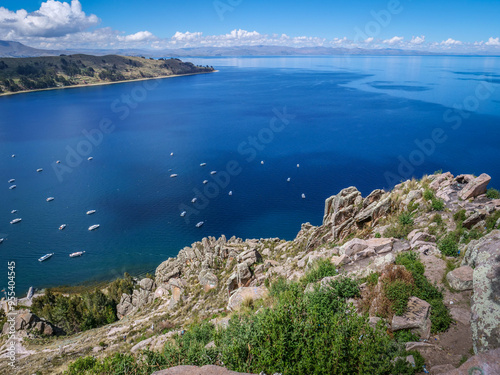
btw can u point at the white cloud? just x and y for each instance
(417, 40)
(394, 40)
(140, 36)
(451, 42)
(53, 19)
(369, 40)
(493, 42)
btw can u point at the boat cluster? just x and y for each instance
(61, 227)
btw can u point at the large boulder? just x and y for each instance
(246, 293)
(416, 318)
(27, 321)
(460, 278)
(475, 187)
(487, 363)
(207, 279)
(483, 256)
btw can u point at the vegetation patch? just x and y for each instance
(322, 268)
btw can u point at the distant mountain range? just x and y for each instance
(15, 49)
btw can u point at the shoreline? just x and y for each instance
(104, 83)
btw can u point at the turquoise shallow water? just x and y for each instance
(346, 121)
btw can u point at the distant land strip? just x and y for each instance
(18, 75)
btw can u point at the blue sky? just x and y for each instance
(414, 24)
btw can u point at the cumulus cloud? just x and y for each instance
(53, 19)
(394, 40)
(417, 40)
(493, 42)
(451, 42)
(140, 36)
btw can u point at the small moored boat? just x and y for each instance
(39, 170)
(31, 291)
(1, 240)
(194, 200)
(203, 164)
(303, 196)
(199, 224)
(45, 257)
(94, 227)
(58, 162)
(213, 172)
(90, 212)
(12, 187)
(173, 175)
(12, 180)
(62, 227)
(13, 155)
(231, 192)
(15, 221)
(76, 254)
(205, 182)
(13, 211)
(50, 199)
(171, 154)
(183, 213)
(288, 179)
(90, 158)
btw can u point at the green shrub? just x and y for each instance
(377, 235)
(321, 269)
(491, 221)
(398, 292)
(405, 335)
(398, 231)
(449, 245)
(372, 278)
(493, 193)
(459, 216)
(438, 219)
(437, 204)
(428, 194)
(406, 218)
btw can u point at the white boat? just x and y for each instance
(31, 291)
(12, 187)
(15, 221)
(50, 199)
(231, 192)
(298, 165)
(94, 227)
(13, 211)
(288, 179)
(12, 180)
(194, 200)
(13, 155)
(39, 170)
(262, 162)
(183, 213)
(199, 224)
(171, 154)
(90, 158)
(76, 254)
(62, 227)
(203, 164)
(45, 257)
(213, 172)
(173, 175)
(58, 162)
(1, 240)
(90, 212)
(303, 196)
(205, 182)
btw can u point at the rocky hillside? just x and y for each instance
(425, 259)
(37, 73)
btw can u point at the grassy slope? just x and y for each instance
(21, 74)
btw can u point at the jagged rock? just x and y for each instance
(339, 260)
(249, 257)
(368, 252)
(207, 279)
(167, 270)
(340, 210)
(244, 293)
(399, 246)
(441, 181)
(483, 256)
(416, 318)
(416, 345)
(475, 187)
(412, 196)
(353, 246)
(473, 219)
(240, 277)
(464, 178)
(125, 306)
(194, 370)
(147, 284)
(481, 364)
(421, 236)
(177, 290)
(460, 278)
(380, 245)
(26, 320)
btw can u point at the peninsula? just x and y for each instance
(49, 72)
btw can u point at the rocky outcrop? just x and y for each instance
(484, 257)
(141, 296)
(475, 187)
(416, 318)
(460, 278)
(27, 321)
(246, 294)
(194, 370)
(487, 363)
(348, 211)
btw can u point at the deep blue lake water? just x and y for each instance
(362, 121)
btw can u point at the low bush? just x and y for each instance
(493, 193)
(322, 268)
(449, 245)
